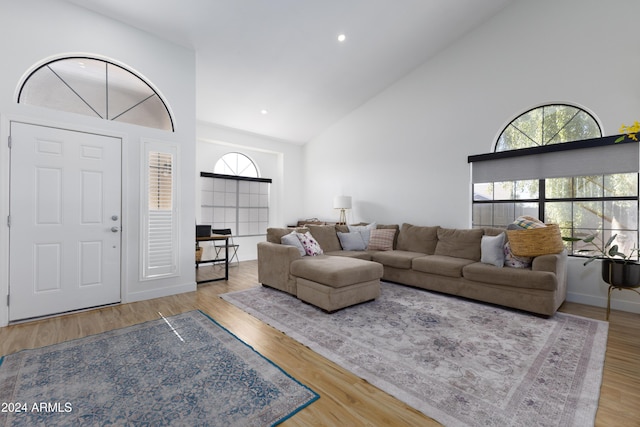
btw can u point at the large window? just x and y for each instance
(235, 197)
(570, 185)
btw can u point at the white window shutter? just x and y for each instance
(160, 253)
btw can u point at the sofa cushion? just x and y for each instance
(336, 271)
(397, 258)
(415, 238)
(292, 239)
(459, 243)
(492, 249)
(381, 240)
(366, 255)
(385, 227)
(353, 241)
(274, 234)
(494, 231)
(326, 236)
(310, 245)
(510, 260)
(364, 231)
(440, 265)
(512, 277)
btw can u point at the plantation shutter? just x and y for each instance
(161, 226)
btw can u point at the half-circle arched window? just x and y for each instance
(98, 88)
(549, 124)
(236, 164)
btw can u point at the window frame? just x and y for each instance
(507, 167)
(543, 143)
(233, 202)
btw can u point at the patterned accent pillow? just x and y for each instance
(510, 260)
(382, 239)
(310, 245)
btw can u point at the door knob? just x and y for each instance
(115, 229)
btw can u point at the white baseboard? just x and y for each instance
(597, 301)
(161, 292)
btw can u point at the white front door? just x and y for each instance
(64, 235)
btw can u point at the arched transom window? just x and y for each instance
(546, 125)
(98, 88)
(236, 164)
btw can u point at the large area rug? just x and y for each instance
(182, 370)
(459, 362)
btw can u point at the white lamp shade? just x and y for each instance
(342, 202)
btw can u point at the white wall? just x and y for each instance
(281, 161)
(34, 30)
(403, 155)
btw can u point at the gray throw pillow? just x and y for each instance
(492, 250)
(291, 239)
(364, 230)
(352, 241)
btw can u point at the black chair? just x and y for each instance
(233, 248)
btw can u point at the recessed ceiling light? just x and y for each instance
(264, 111)
(342, 38)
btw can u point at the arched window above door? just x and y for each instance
(98, 88)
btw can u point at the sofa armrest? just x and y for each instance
(557, 264)
(274, 261)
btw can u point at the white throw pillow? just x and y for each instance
(292, 239)
(492, 250)
(364, 230)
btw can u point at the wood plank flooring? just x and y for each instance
(346, 400)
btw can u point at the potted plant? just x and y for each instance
(618, 269)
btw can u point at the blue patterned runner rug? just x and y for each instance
(184, 370)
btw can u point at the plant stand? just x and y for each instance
(620, 275)
(620, 288)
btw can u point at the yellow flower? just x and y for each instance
(629, 131)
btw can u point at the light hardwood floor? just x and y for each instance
(346, 400)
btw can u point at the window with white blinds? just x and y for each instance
(236, 202)
(160, 254)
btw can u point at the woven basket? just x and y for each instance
(199, 254)
(536, 241)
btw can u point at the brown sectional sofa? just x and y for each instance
(433, 258)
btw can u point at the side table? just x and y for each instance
(215, 237)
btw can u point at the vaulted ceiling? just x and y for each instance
(277, 68)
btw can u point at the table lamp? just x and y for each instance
(343, 203)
